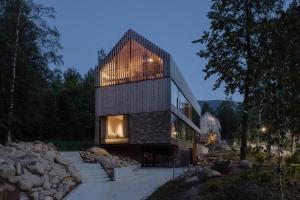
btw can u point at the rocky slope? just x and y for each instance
(35, 170)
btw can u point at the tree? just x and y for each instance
(231, 48)
(28, 44)
(206, 108)
(228, 119)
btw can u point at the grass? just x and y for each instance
(63, 145)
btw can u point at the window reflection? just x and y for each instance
(181, 102)
(181, 130)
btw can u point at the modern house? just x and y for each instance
(210, 128)
(144, 107)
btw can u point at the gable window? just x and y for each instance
(132, 63)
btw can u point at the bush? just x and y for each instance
(222, 166)
(260, 157)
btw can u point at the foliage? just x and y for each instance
(232, 47)
(49, 104)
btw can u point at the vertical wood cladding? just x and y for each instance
(150, 128)
(136, 97)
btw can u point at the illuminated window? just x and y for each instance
(116, 129)
(133, 63)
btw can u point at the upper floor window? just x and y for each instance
(133, 63)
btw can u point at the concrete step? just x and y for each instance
(90, 172)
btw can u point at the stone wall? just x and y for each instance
(150, 127)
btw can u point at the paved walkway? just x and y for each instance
(137, 186)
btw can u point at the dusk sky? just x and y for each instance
(86, 26)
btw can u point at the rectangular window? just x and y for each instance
(182, 104)
(116, 129)
(181, 130)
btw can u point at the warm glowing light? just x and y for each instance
(150, 60)
(263, 129)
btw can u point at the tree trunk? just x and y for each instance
(245, 124)
(245, 128)
(293, 147)
(12, 85)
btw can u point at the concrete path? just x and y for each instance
(90, 172)
(138, 185)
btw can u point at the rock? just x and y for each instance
(50, 156)
(2, 161)
(192, 179)
(74, 174)
(245, 164)
(37, 167)
(54, 180)
(6, 187)
(61, 160)
(36, 189)
(58, 170)
(25, 185)
(19, 169)
(7, 170)
(29, 180)
(48, 198)
(208, 173)
(45, 192)
(34, 195)
(58, 196)
(99, 151)
(14, 179)
(47, 185)
(23, 196)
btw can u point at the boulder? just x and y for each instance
(99, 151)
(61, 160)
(14, 179)
(7, 170)
(58, 196)
(23, 196)
(29, 180)
(192, 179)
(245, 164)
(37, 167)
(19, 169)
(208, 173)
(74, 174)
(58, 170)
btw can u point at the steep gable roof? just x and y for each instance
(132, 35)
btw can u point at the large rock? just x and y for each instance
(204, 173)
(61, 160)
(99, 151)
(58, 170)
(245, 164)
(7, 170)
(29, 180)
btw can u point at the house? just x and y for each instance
(144, 107)
(210, 128)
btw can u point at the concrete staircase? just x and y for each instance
(90, 172)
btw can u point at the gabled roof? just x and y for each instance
(132, 35)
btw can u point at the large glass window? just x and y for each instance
(116, 129)
(181, 130)
(181, 102)
(134, 62)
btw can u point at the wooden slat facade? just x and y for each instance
(136, 97)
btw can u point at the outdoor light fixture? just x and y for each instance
(263, 129)
(150, 60)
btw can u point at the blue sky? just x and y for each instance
(86, 26)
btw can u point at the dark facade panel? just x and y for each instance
(149, 128)
(135, 97)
